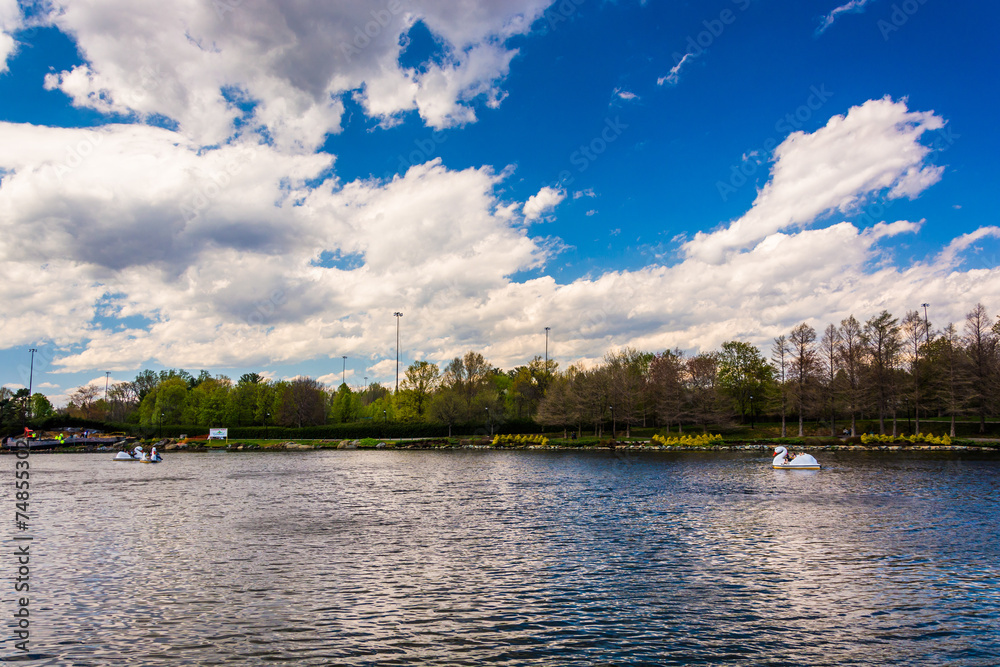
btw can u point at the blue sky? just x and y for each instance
(247, 186)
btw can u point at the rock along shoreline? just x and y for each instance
(168, 445)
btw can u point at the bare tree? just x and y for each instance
(850, 351)
(981, 344)
(804, 366)
(881, 342)
(949, 368)
(702, 375)
(829, 345)
(914, 332)
(781, 358)
(666, 373)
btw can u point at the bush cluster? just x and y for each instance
(911, 439)
(521, 440)
(703, 440)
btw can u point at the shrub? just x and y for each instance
(905, 439)
(704, 440)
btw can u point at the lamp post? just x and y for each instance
(547, 348)
(751, 411)
(397, 315)
(927, 326)
(613, 424)
(267, 416)
(160, 434)
(107, 377)
(343, 376)
(489, 421)
(366, 389)
(31, 377)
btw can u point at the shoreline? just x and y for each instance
(293, 446)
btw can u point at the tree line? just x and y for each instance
(882, 370)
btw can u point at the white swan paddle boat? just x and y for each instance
(797, 462)
(138, 455)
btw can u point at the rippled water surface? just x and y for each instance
(511, 558)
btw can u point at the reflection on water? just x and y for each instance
(516, 558)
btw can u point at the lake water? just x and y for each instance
(510, 558)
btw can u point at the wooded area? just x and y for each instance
(885, 369)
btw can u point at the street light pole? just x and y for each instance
(107, 376)
(613, 423)
(751, 411)
(31, 377)
(397, 315)
(489, 421)
(547, 348)
(343, 376)
(927, 326)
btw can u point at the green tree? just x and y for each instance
(422, 379)
(41, 407)
(743, 374)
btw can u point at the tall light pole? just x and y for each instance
(927, 326)
(31, 377)
(547, 348)
(343, 376)
(107, 376)
(751, 410)
(397, 315)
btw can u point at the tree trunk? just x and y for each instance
(801, 431)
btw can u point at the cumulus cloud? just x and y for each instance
(543, 202)
(201, 245)
(10, 22)
(875, 148)
(283, 68)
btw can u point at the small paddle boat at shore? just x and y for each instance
(124, 456)
(798, 462)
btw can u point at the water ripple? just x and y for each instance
(444, 558)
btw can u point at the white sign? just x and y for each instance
(220, 433)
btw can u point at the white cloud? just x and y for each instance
(875, 148)
(219, 255)
(10, 21)
(675, 72)
(626, 95)
(854, 6)
(540, 204)
(284, 67)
